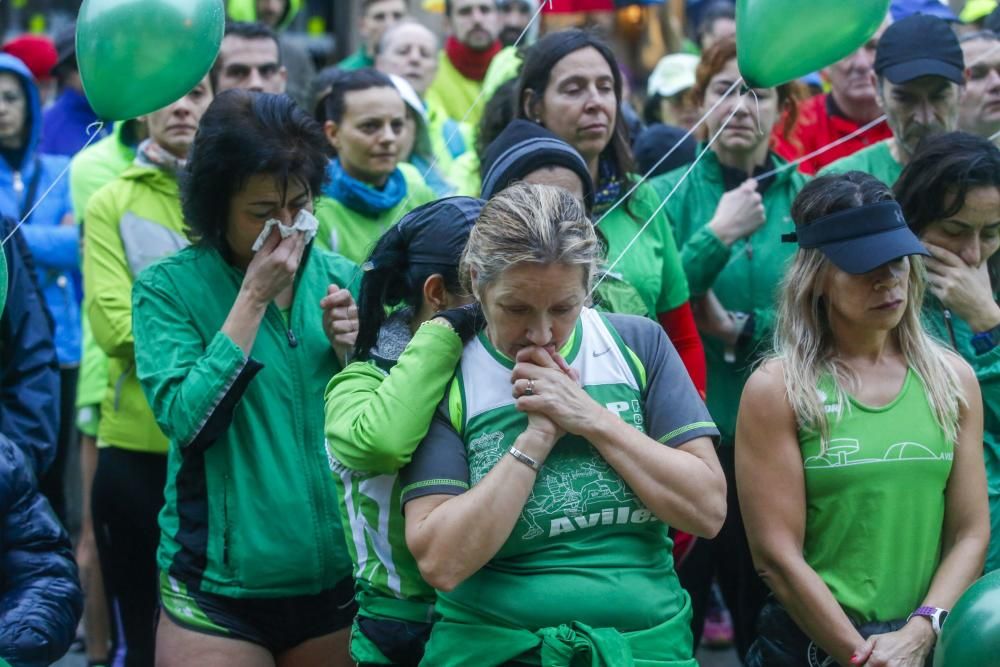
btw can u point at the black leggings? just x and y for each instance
(126, 498)
(726, 558)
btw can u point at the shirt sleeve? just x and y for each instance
(674, 411)
(439, 466)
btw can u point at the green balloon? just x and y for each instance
(971, 633)
(137, 56)
(781, 40)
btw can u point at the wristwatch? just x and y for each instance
(936, 615)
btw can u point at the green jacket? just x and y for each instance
(456, 94)
(987, 368)
(353, 234)
(91, 169)
(377, 412)
(249, 510)
(131, 222)
(876, 160)
(246, 10)
(745, 276)
(464, 173)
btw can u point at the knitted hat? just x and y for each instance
(524, 147)
(37, 52)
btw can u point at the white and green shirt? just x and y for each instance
(585, 548)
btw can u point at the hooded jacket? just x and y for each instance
(29, 369)
(54, 245)
(40, 597)
(131, 222)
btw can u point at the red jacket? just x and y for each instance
(818, 125)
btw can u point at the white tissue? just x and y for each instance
(304, 222)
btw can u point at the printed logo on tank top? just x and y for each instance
(576, 489)
(846, 451)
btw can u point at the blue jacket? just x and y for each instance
(64, 126)
(56, 247)
(29, 369)
(40, 597)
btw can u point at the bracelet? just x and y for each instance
(525, 459)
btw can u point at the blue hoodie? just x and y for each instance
(55, 247)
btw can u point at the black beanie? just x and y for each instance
(524, 147)
(656, 141)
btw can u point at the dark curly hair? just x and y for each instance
(243, 134)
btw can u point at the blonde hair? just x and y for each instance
(537, 224)
(803, 341)
(804, 344)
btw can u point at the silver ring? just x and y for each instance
(530, 391)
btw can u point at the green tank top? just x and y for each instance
(875, 500)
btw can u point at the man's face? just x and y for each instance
(474, 23)
(410, 51)
(980, 105)
(250, 64)
(851, 81)
(270, 12)
(377, 18)
(514, 18)
(919, 108)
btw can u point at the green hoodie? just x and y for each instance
(987, 368)
(131, 222)
(246, 10)
(745, 276)
(249, 509)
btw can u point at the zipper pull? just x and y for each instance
(18, 183)
(292, 340)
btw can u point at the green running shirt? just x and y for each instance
(584, 549)
(875, 502)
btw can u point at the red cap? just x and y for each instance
(37, 52)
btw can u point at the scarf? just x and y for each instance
(470, 63)
(362, 197)
(151, 154)
(609, 185)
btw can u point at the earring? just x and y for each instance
(538, 120)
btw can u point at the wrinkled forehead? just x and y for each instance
(981, 51)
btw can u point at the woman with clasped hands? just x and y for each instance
(859, 447)
(539, 502)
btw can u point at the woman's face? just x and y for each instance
(974, 232)
(533, 304)
(368, 137)
(560, 177)
(751, 125)
(261, 199)
(870, 301)
(173, 127)
(13, 111)
(579, 104)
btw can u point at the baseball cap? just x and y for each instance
(672, 75)
(859, 240)
(919, 45)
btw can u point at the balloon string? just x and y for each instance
(995, 137)
(62, 174)
(659, 208)
(830, 146)
(651, 170)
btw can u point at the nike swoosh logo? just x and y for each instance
(601, 354)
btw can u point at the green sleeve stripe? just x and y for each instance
(433, 482)
(456, 402)
(638, 367)
(684, 429)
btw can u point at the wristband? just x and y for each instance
(985, 341)
(525, 459)
(935, 615)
